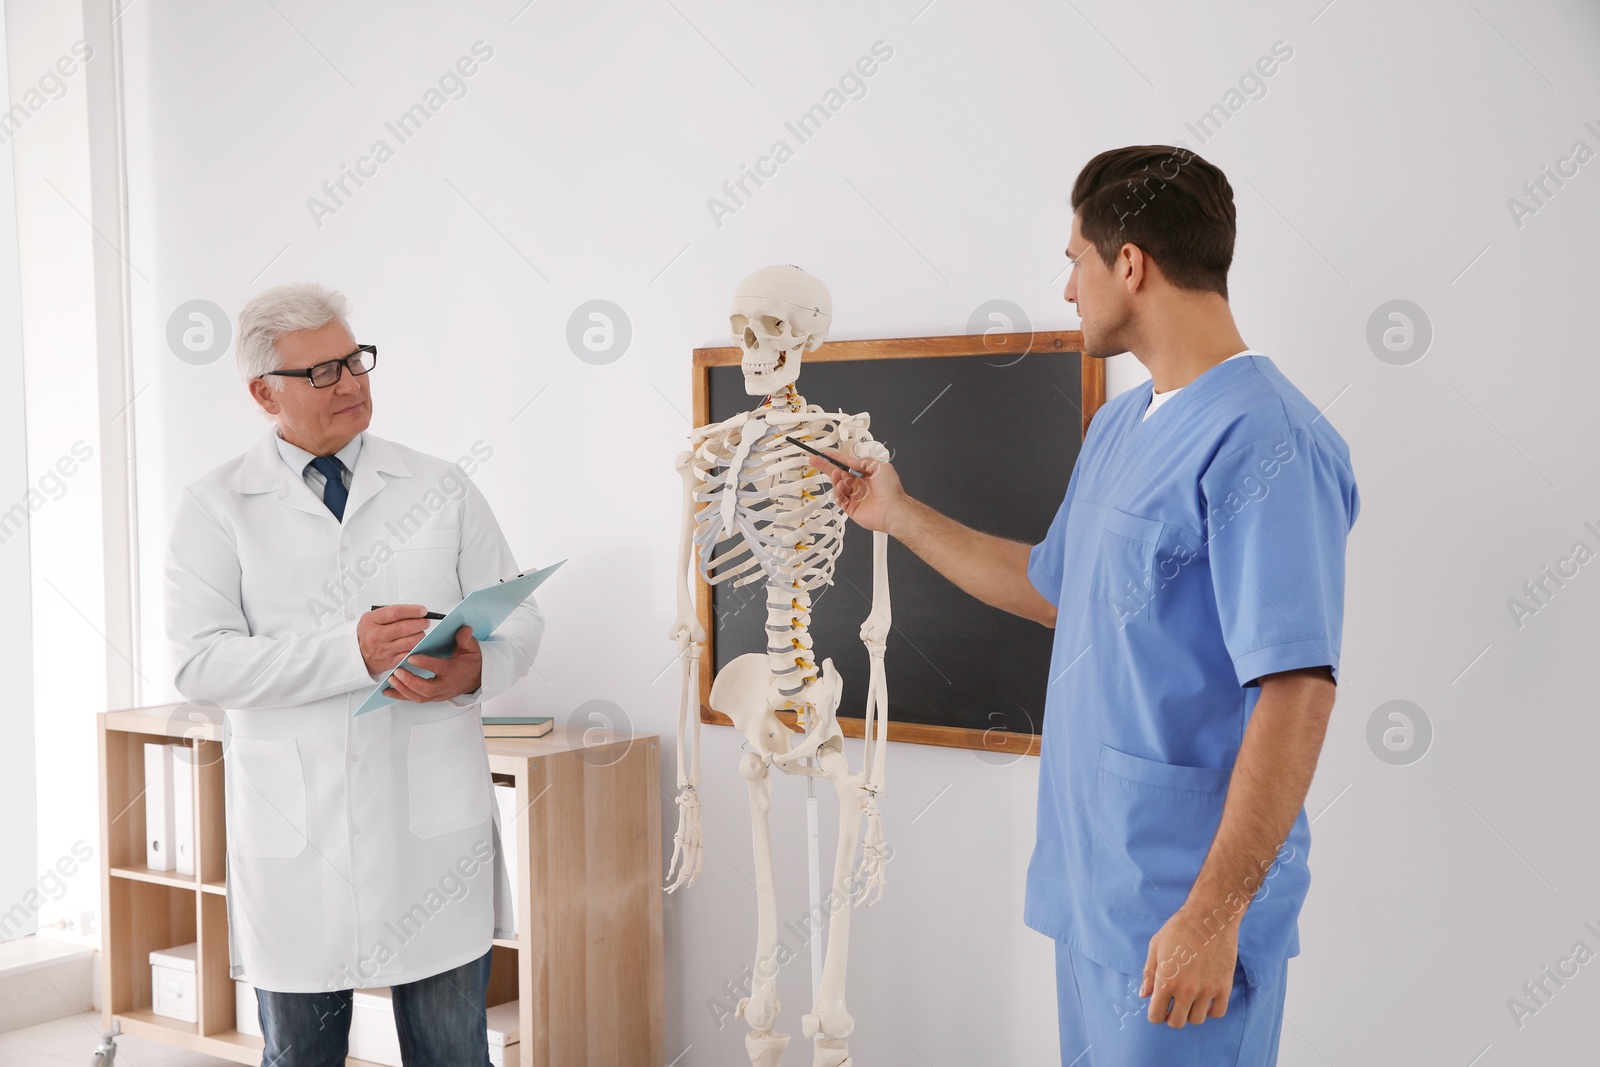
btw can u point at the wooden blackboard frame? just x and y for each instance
(1093, 379)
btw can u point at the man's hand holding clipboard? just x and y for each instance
(446, 647)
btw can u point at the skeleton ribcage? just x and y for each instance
(775, 505)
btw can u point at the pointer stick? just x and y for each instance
(825, 456)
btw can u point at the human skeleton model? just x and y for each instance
(744, 483)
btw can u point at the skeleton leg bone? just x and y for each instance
(829, 1022)
(762, 1007)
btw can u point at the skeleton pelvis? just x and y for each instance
(747, 692)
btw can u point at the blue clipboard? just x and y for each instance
(482, 609)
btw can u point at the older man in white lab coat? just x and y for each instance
(362, 851)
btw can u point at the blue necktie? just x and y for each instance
(334, 493)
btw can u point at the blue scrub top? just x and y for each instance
(1195, 551)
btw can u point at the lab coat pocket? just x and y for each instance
(1153, 826)
(1124, 576)
(266, 798)
(447, 767)
(425, 569)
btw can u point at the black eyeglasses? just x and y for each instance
(361, 361)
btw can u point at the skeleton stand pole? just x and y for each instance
(816, 879)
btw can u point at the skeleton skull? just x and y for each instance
(779, 314)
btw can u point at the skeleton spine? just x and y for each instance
(789, 609)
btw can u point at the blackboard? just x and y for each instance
(988, 438)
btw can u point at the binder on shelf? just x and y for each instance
(182, 758)
(158, 813)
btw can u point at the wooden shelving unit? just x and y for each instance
(586, 966)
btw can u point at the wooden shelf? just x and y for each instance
(245, 1048)
(228, 1045)
(147, 1023)
(589, 815)
(166, 720)
(145, 874)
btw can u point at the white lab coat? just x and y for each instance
(361, 851)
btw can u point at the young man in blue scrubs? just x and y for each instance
(1194, 576)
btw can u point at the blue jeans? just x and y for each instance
(440, 1019)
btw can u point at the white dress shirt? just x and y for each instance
(299, 461)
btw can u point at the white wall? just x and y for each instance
(71, 642)
(1376, 166)
(19, 834)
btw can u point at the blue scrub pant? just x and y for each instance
(1105, 1023)
(441, 1022)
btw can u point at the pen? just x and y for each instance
(428, 615)
(825, 456)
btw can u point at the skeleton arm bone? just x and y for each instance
(875, 635)
(869, 876)
(688, 846)
(686, 622)
(857, 443)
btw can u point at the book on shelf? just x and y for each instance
(517, 725)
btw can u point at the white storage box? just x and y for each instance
(502, 1032)
(373, 1036)
(247, 1017)
(172, 982)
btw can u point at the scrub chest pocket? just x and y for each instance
(1124, 579)
(1153, 826)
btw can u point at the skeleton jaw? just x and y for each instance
(767, 373)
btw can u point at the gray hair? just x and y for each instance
(280, 310)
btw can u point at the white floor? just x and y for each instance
(72, 1040)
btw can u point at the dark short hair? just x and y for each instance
(1171, 203)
